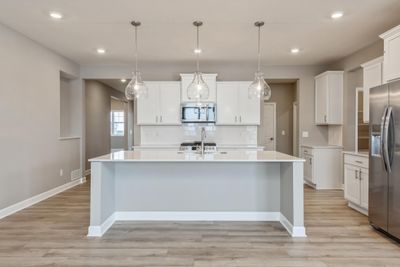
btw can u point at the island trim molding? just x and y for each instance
(98, 231)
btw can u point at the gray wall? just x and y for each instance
(70, 107)
(32, 153)
(353, 78)
(98, 107)
(232, 71)
(283, 94)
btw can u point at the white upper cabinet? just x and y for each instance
(161, 106)
(249, 108)
(233, 105)
(147, 111)
(391, 56)
(209, 79)
(372, 76)
(329, 98)
(227, 103)
(169, 103)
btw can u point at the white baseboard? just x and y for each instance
(358, 208)
(86, 172)
(294, 231)
(35, 199)
(98, 231)
(196, 216)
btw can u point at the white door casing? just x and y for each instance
(295, 129)
(269, 122)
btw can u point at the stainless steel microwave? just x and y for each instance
(198, 112)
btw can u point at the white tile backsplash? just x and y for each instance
(222, 135)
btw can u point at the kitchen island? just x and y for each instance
(175, 186)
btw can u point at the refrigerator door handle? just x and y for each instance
(386, 133)
(383, 142)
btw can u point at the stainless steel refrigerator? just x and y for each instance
(384, 163)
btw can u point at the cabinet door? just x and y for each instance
(147, 107)
(372, 77)
(227, 103)
(391, 57)
(321, 100)
(335, 99)
(351, 184)
(169, 103)
(308, 168)
(364, 187)
(249, 109)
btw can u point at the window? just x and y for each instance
(117, 123)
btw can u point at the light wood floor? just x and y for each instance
(53, 233)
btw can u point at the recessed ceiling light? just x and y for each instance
(101, 51)
(56, 15)
(295, 50)
(337, 15)
(123, 80)
(197, 51)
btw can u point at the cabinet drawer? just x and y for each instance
(356, 160)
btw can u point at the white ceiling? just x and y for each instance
(228, 34)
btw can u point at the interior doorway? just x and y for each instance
(280, 132)
(269, 122)
(105, 130)
(118, 124)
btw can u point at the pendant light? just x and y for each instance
(136, 87)
(259, 87)
(198, 89)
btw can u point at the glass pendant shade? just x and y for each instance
(136, 88)
(259, 88)
(198, 89)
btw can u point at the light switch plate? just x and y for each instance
(305, 134)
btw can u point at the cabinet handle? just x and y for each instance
(310, 161)
(156, 119)
(356, 174)
(359, 175)
(359, 161)
(240, 119)
(160, 118)
(325, 118)
(235, 119)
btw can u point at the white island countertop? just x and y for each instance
(178, 156)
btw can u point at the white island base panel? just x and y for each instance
(196, 191)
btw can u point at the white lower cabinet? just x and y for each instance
(322, 166)
(356, 181)
(308, 169)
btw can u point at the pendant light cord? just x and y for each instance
(259, 50)
(136, 50)
(197, 54)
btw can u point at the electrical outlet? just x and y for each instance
(305, 134)
(61, 172)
